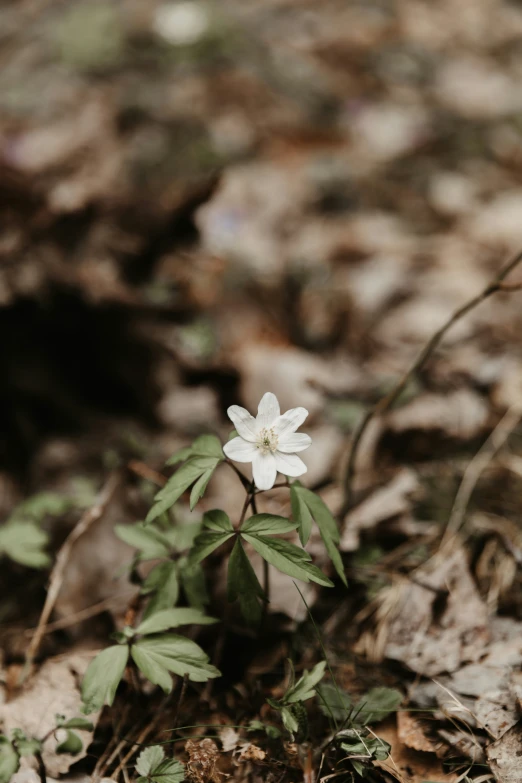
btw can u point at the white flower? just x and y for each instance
(269, 441)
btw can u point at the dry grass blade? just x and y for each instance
(476, 467)
(62, 558)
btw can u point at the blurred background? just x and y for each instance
(200, 202)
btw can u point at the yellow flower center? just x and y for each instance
(267, 441)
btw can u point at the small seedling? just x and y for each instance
(291, 704)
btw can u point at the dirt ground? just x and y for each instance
(201, 202)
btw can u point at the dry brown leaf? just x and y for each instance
(390, 500)
(462, 414)
(407, 765)
(437, 627)
(505, 756)
(411, 732)
(54, 689)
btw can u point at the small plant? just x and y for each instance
(21, 537)
(156, 654)
(270, 442)
(291, 704)
(355, 744)
(12, 750)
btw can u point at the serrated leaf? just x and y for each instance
(243, 584)
(306, 505)
(334, 702)
(163, 583)
(217, 521)
(172, 618)
(74, 723)
(72, 744)
(102, 678)
(147, 540)
(9, 760)
(149, 759)
(194, 585)
(182, 479)
(156, 656)
(305, 687)
(198, 490)
(288, 558)
(268, 524)
(24, 542)
(153, 766)
(180, 456)
(216, 529)
(377, 704)
(208, 446)
(301, 514)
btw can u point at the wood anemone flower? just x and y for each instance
(269, 441)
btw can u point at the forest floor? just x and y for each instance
(202, 202)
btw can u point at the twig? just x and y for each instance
(385, 403)
(183, 691)
(143, 471)
(476, 466)
(62, 558)
(77, 617)
(41, 767)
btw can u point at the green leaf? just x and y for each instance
(147, 540)
(204, 446)
(74, 723)
(153, 767)
(194, 586)
(24, 543)
(182, 479)
(9, 760)
(271, 731)
(290, 722)
(305, 687)
(180, 456)
(301, 514)
(163, 582)
(243, 584)
(216, 529)
(72, 744)
(335, 703)
(41, 505)
(102, 678)
(26, 746)
(316, 508)
(172, 618)
(267, 524)
(377, 705)
(198, 490)
(156, 656)
(149, 759)
(358, 742)
(288, 558)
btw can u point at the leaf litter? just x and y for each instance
(213, 202)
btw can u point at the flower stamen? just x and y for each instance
(267, 441)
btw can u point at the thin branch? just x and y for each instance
(143, 471)
(386, 402)
(477, 466)
(57, 574)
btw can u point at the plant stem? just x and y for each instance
(41, 767)
(386, 402)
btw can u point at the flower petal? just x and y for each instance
(293, 441)
(240, 450)
(264, 470)
(289, 421)
(244, 423)
(268, 410)
(289, 464)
